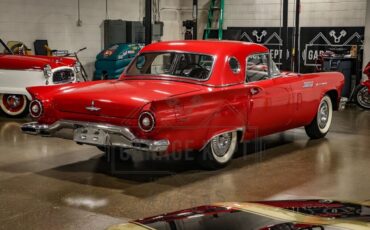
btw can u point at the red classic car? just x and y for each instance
(267, 215)
(190, 95)
(18, 72)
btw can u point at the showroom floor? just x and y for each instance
(48, 183)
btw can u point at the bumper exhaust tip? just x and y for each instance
(34, 128)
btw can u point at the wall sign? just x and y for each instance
(313, 41)
(268, 36)
(316, 40)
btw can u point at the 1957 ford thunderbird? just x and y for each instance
(190, 95)
(18, 72)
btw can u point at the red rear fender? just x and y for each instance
(46, 92)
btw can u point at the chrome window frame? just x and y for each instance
(273, 75)
(269, 63)
(214, 60)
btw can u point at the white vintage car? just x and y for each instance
(18, 72)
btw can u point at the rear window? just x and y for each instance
(173, 64)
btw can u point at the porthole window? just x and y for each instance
(234, 65)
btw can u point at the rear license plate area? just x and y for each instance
(90, 136)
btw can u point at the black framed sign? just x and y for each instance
(313, 41)
(268, 36)
(316, 40)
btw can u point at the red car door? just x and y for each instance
(271, 107)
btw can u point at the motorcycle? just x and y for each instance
(362, 92)
(74, 55)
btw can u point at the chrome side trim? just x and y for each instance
(242, 129)
(119, 136)
(183, 81)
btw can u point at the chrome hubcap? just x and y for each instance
(323, 114)
(363, 97)
(221, 144)
(13, 101)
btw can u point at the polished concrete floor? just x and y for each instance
(49, 183)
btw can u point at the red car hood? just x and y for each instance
(122, 99)
(18, 62)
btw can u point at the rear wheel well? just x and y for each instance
(239, 135)
(333, 94)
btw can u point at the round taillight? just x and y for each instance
(35, 108)
(146, 121)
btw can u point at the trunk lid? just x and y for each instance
(123, 98)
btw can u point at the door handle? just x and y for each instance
(255, 90)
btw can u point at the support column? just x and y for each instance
(284, 35)
(195, 19)
(367, 36)
(297, 52)
(148, 22)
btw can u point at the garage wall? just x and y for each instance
(266, 13)
(56, 20)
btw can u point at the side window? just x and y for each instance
(257, 67)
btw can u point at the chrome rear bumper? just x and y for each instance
(115, 135)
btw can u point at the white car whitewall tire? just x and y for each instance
(14, 105)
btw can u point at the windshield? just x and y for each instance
(172, 64)
(3, 48)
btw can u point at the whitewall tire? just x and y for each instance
(219, 151)
(14, 105)
(320, 125)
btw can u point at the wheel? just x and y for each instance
(219, 151)
(14, 105)
(362, 97)
(320, 125)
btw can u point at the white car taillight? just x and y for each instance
(146, 121)
(35, 109)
